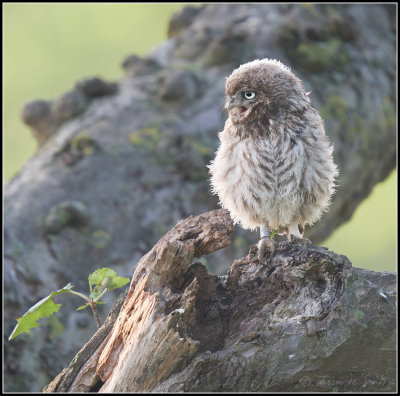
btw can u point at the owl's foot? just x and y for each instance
(305, 242)
(265, 244)
(294, 235)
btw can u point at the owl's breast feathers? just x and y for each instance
(277, 178)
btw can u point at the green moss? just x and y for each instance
(73, 361)
(80, 140)
(325, 55)
(83, 143)
(335, 108)
(315, 48)
(359, 314)
(63, 217)
(145, 137)
(359, 124)
(201, 148)
(310, 7)
(347, 335)
(358, 127)
(100, 239)
(289, 38)
(17, 249)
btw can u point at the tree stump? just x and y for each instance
(302, 319)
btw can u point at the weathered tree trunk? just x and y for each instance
(120, 163)
(302, 320)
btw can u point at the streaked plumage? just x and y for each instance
(274, 166)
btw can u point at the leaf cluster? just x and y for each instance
(100, 281)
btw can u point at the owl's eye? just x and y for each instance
(249, 95)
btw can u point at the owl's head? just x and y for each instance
(263, 88)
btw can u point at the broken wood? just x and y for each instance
(301, 320)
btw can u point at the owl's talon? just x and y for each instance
(305, 242)
(265, 245)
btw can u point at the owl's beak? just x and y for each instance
(232, 104)
(237, 105)
(235, 109)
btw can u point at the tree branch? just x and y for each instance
(303, 320)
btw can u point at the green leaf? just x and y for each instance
(42, 309)
(273, 234)
(116, 282)
(97, 277)
(105, 277)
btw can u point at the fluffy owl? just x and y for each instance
(274, 167)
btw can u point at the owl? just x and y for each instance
(274, 167)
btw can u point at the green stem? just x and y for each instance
(100, 295)
(87, 299)
(92, 303)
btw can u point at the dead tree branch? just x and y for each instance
(303, 320)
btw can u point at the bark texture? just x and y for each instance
(120, 163)
(301, 320)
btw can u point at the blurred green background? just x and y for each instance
(47, 47)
